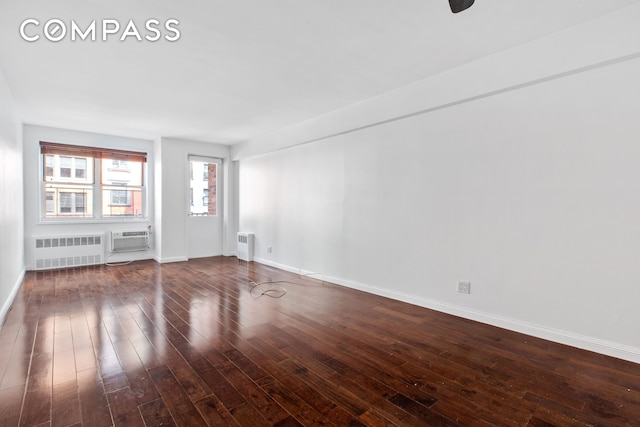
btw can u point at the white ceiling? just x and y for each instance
(242, 68)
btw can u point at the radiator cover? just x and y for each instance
(245, 246)
(67, 251)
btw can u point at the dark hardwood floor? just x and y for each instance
(187, 344)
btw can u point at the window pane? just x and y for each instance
(68, 169)
(212, 188)
(48, 168)
(80, 202)
(81, 167)
(122, 188)
(119, 164)
(120, 197)
(121, 202)
(120, 172)
(50, 205)
(206, 188)
(65, 167)
(65, 200)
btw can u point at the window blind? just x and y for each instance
(95, 152)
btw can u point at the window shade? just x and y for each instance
(95, 152)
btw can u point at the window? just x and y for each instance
(203, 190)
(119, 164)
(65, 167)
(72, 202)
(122, 185)
(50, 206)
(49, 168)
(73, 175)
(80, 168)
(120, 198)
(65, 202)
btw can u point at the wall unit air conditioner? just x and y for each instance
(245, 246)
(129, 240)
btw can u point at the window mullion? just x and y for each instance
(97, 188)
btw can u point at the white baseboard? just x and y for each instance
(12, 296)
(277, 265)
(609, 348)
(171, 259)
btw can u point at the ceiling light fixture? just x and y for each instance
(460, 5)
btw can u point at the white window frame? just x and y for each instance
(92, 182)
(197, 178)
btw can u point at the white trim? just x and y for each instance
(172, 259)
(609, 348)
(12, 296)
(218, 220)
(281, 266)
(205, 159)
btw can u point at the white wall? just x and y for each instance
(32, 183)
(532, 194)
(174, 197)
(11, 202)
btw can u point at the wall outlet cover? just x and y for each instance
(464, 287)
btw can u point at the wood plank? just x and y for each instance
(253, 394)
(137, 376)
(214, 412)
(175, 398)
(10, 405)
(421, 412)
(66, 404)
(156, 413)
(93, 401)
(37, 398)
(124, 408)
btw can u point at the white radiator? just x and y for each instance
(67, 251)
(245, 246)
(129, 240)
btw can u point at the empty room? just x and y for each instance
(312, 212)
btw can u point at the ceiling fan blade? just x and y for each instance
(460, 5)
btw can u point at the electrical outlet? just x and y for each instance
(464, 287)
(269, 249)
